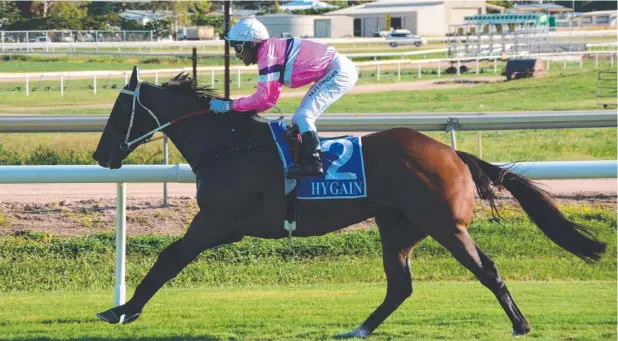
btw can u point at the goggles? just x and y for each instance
(238, 48)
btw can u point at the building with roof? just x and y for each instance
(236, 14)
(307, 26)
(595, 19)
(539, 8)
(424, 17)
(305, 4)
(144, 17)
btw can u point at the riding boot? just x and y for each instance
(310, 162)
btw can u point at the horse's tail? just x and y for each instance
(575, 238)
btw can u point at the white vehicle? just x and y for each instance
(41, 39)
(404, 37)
(381, 33)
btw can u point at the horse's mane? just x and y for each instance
(183, 82)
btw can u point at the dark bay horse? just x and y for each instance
(417, 187)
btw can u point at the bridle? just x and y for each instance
(125, 146)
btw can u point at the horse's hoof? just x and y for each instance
(111, 317)
(360, 332)
(522, 330)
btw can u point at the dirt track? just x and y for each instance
(59, 192)
(77, 209)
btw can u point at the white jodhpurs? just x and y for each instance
(340, 77)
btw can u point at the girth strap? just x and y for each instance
(289, 224)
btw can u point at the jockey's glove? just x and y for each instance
(220, 105)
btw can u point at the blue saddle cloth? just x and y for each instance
(342, 160)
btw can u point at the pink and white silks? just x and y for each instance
(294, 63)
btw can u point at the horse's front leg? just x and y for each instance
(203, 233)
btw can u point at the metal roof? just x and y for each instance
(511, 18)
(305, 4)
(387, 7)
(140, 14)
(542, 6)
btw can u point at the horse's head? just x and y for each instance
(129, 120)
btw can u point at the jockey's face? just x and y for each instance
(248, 53)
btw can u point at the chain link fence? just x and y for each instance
(69, 36)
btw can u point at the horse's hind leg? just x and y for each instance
(398, 237)
(201, 235)
(463, 248)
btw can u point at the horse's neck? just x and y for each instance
(201, 138)
(191, 137)
(187, 134)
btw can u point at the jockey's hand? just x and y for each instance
(220, 105)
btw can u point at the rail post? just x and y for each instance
(166, 152)
(226, 28)
(121, 243)
(451, 125)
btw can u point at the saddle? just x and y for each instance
(344, 171)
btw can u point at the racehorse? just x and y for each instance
(416, 187)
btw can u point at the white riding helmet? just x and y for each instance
(248, 29)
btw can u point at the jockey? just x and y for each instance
(294, 63)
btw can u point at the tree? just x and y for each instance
(9, 13)
(358, 2)
(160, 28)
(101, 8)
(44, 6)
(502, 3)
(275, 8)
(199, 7)
(340, 3)
(74, 10)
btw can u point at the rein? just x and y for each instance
(126, 145)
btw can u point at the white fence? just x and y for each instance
(5, 44)
(437, 64)
(183, 173)
(350, 122)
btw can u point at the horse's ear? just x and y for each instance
(134, 78)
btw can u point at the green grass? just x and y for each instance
(42, 262)
(53, 63)
(80, 91)
(511, 145)
(436, 311)
(564, 90)
(577, 91)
